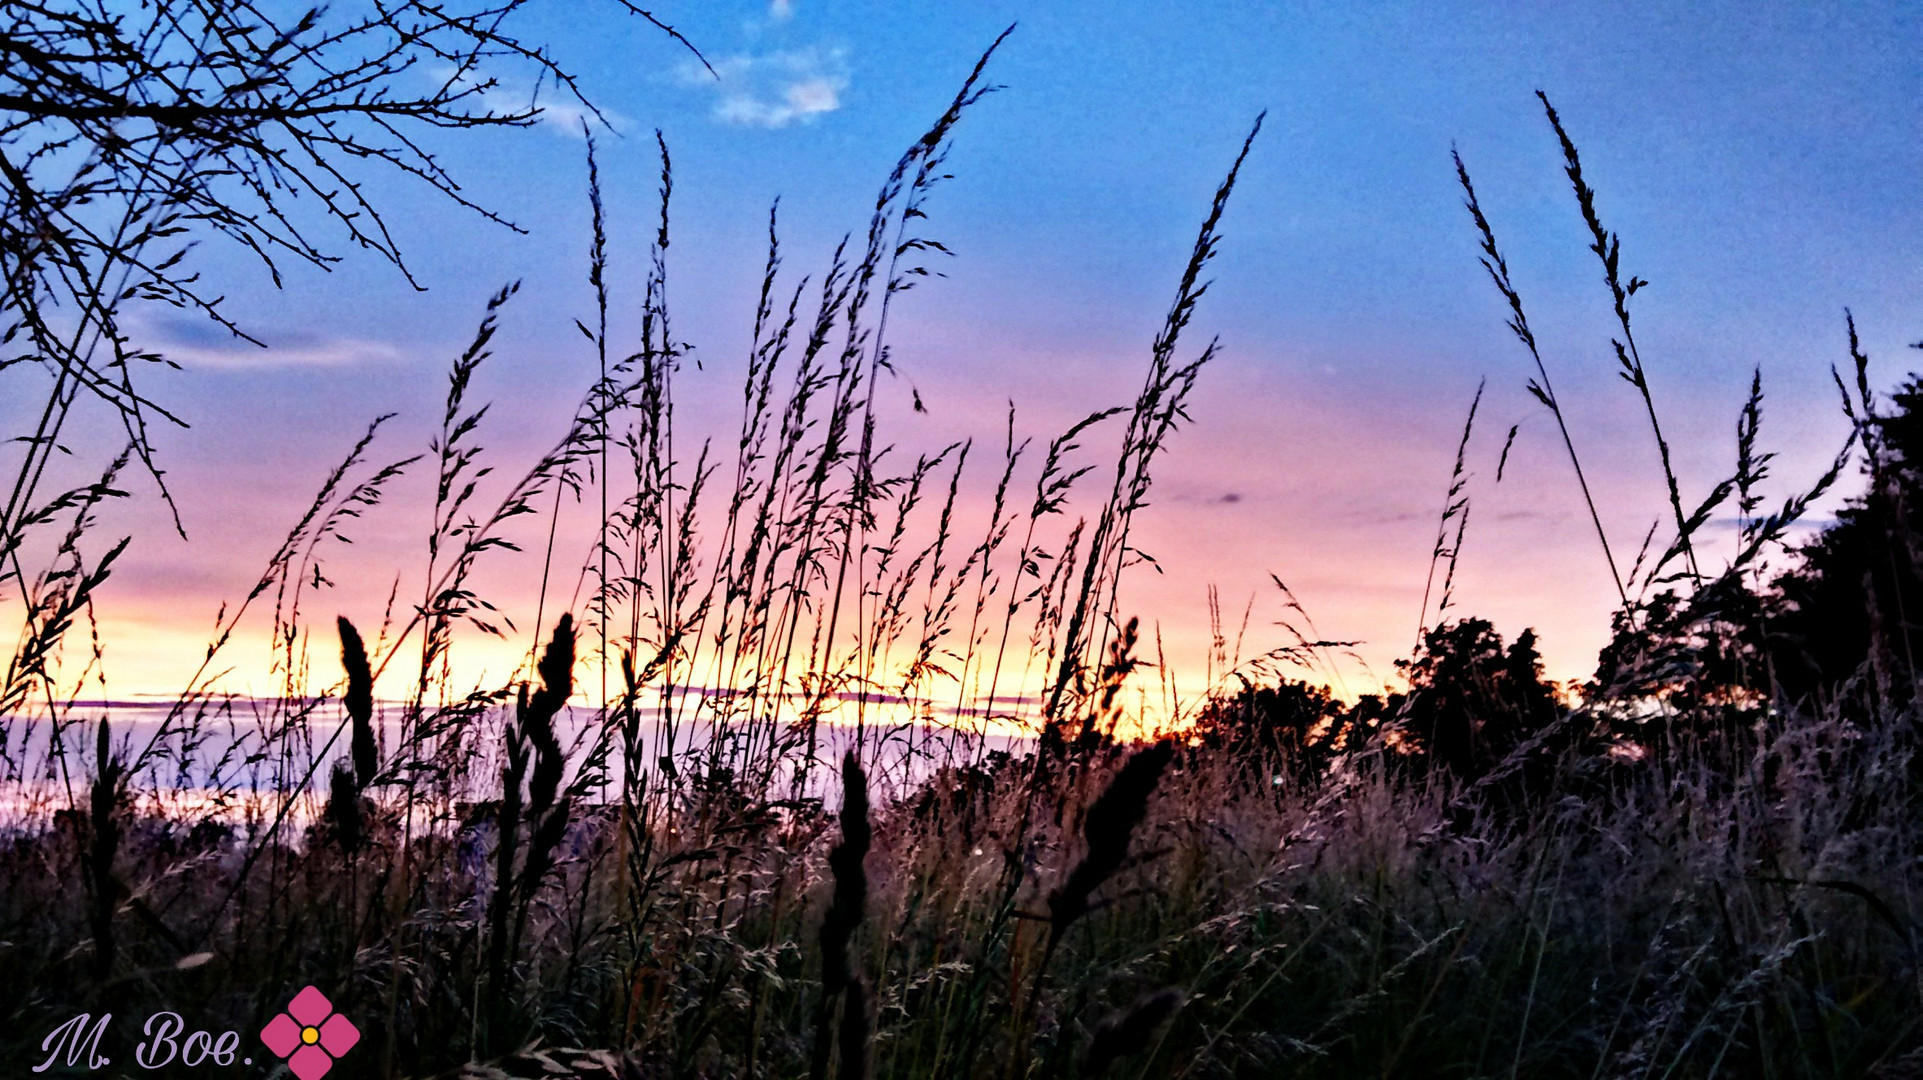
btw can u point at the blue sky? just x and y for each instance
(1761, 162)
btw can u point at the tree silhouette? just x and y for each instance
(1292, 725)
(1472, 700)
(130, 132)
(1853, 603)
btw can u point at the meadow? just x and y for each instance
(806, 779)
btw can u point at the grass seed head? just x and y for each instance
(1109, 825)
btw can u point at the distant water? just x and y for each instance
(240, 760)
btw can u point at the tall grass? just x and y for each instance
(743, 812)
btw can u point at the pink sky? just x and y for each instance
(1761, 167)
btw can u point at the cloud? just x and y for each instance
(775, 89)
(781, 10)
(202, 344)
(569, 117)
(559, 111)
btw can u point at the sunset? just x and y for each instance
(1760, 172)
(786, 538)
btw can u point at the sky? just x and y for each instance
(1761, 163)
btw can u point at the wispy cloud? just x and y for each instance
(200, 343)
(781, 10)
(559, 110)
(776, 89)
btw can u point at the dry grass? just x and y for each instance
(1742, 907)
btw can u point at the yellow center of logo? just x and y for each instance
(310, 1035)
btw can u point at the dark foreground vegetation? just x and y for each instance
(777, 842)
(1740, 903)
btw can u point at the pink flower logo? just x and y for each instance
(310, 1035)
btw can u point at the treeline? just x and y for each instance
(1836, 629)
